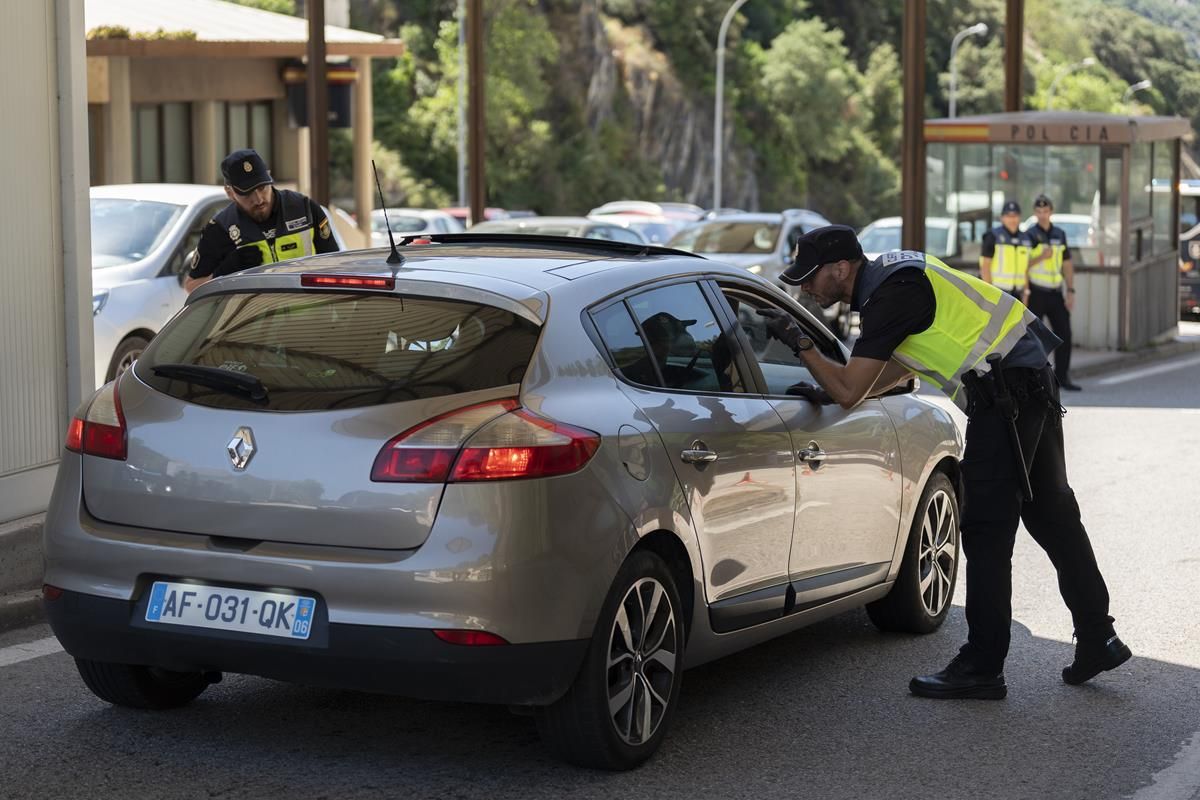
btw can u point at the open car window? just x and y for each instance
(779, 366)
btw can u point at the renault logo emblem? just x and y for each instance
(241, 448)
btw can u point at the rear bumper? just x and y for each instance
(404, 661)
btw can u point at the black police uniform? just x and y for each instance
(232, 241)
(1049, 304)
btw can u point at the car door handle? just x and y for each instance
(698, 456)
(812, 454)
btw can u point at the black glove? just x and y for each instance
(782, 327)
(813, 394)
(249, 257)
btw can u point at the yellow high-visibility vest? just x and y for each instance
(972, 320)
(295, 238)
(1048, 274)
(1010, 262)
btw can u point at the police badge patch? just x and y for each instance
(235, 233)
(324, 228)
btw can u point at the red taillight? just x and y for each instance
(346, 282)
(522, 445)
(100, 430)
(470, 638)
(484, 443)
(425, 453)
(51, 592)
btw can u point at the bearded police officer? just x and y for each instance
(1051, 273)
(985, 350)
(262, 224)
(1004, 259)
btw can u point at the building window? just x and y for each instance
(245, 125)
(162, 143)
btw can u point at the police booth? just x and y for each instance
(1114, 182)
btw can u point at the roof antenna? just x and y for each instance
(394, 257)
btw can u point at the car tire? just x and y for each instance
(920, 598)
(127, 352)
(133, 686)
(630, 674)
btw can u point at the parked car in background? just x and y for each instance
(541, 474)
(688, 212)
(143, 235)
(883, 235)
(407, 221)
(562, 226)
(656, 230)
(463, 214)
(762, 244)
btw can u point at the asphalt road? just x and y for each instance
(822, 713)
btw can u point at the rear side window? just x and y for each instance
(325, 351)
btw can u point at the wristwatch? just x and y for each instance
(1071, 289)
(804, 343)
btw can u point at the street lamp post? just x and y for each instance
(1135, 87)
(718, 126)
(1062, 73)
(978, 29)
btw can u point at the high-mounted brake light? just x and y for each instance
(346, 282)
(100, 429)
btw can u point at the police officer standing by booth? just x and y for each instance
(1004, 258)
(985, 350)
(1050, 274)
(261, 224)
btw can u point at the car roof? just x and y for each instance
(178, 193)
(536, 222)
(518, 267)
(418, 212)
(896, 222)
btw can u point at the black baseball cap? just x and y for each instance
(1010, 207)
(1042, 201)
(245, 170)
(821, 246)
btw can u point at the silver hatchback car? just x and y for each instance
(544, 472)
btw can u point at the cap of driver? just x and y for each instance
(821, 246)
(1010, 207)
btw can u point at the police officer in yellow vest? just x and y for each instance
(262, 224)
(1052, 284)
(920, 316)
(1004, 259)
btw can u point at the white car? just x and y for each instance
(409, 221)
(142, 238)
(883, 235)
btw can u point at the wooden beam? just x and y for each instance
(476, 117)
(1014, 44)
(138, 48)
(912, 145)
(318, 103)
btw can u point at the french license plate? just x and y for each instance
(267, 613)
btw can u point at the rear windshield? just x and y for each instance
(331, 350)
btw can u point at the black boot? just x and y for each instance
(1095, 656)
(960, 680)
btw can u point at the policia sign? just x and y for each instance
(262, 224)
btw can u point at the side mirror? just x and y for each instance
(908, 387)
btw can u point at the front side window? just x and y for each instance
(780, 367)
(685, 340)
(127, 230)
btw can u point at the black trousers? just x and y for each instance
(1049, 304)
(993, 506)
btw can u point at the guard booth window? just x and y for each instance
(245, 125)
(162, 143)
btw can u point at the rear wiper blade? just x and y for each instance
(216, 378)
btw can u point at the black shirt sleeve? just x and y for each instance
(902, 306)
(1066, 247)
(322, 232)
(211, 251)
(989, 245)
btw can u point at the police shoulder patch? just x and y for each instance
(324, 228)
(235, 233)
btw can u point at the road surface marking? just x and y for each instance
(17, 653)
(1142, 373)
(1179, 781)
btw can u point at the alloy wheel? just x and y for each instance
(127, 361)
(642, 661)
(939, 541)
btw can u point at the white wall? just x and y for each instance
(45, 311)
